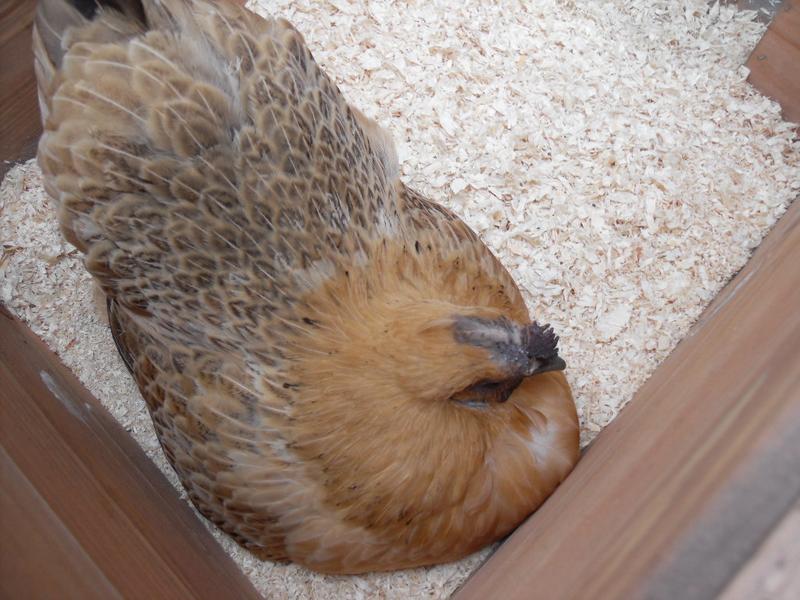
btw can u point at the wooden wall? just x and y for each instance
(775, 63)
(19, 108)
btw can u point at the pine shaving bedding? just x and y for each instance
(611, 154)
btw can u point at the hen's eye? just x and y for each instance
(486, 386)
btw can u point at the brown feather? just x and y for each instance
(284, 302)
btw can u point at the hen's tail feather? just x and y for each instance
(56, 19)
(117, 333)
(53, 19)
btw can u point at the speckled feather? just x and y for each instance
(284, 302)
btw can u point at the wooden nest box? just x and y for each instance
(693, 491)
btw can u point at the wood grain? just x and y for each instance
(19, 126)
(775, 62)
(682, 487)
(85, 513)
(36, 542)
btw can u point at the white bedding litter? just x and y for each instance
(610, 153)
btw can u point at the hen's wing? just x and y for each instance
(202, 151)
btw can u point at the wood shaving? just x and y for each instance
(610, 153)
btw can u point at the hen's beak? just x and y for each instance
(555, 363)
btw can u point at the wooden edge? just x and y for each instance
(85, 510)
(681, 488)
(19, 106)
(775, 62)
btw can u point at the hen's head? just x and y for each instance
(470, 356)
(475, 357)
(515, 351)
(409, 355)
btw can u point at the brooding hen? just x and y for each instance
(338, 369)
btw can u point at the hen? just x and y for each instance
(339, 371)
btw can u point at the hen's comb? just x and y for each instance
(540, 341)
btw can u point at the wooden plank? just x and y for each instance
(774, 571)
(775, 62)
(79, 491)
(677, 493)
(20, 126)
(35, 537)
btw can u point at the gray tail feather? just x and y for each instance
(116, 334)
(54, 20)
(55, 17)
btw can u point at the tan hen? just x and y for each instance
(338, 369)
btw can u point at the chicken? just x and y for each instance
(337, 368)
